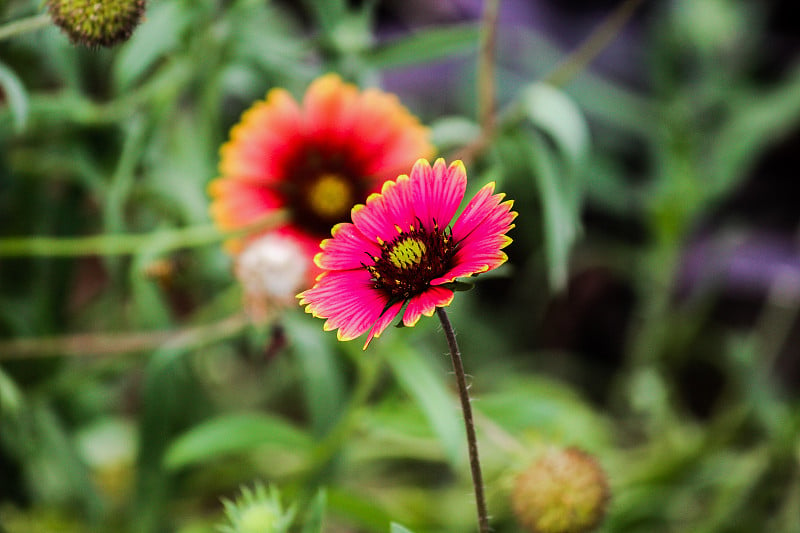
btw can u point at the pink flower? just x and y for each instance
(315, 159)
(402, 249)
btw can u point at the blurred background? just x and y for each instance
(648, 313)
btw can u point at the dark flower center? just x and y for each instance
(322, 186)
(408, 263)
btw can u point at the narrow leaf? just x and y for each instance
(561, 222)
(16, 96)
(230, 434)
(316, 513)
(425, 386)
(555, 114)
(324, 382)
(425, 46)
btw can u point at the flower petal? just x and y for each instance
(480, 234)
(263, 139)
(387, 134)
(350, 303)
(385, 214)
(330, 107)
(437, 192)
(348, 249)
(426, 303)
(237, 203)
(383, 322)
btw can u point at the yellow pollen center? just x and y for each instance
(407, 253)
(330, 196)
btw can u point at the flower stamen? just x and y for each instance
(411, 261)
(407, 253)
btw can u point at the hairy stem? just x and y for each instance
(469, 423)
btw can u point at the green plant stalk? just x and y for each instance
(368, 372)
(98, 344)
(469, 423)
(124, 244)
(22, 26)
(486, 87)
(595, 43)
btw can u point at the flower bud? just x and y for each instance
(257, 512)
(97, 22)
(564, 491)
(271, 269)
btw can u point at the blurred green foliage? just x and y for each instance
(123, 141)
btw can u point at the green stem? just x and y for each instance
(368, 372)
(18, 27)
(466, 408)
(595, 43)
(96, 344)
(486, 87)
(124, 244)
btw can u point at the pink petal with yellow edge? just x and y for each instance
(383, 322)
(385, 212)
(348, 300)
(437, 192)
(347, 249)
(399, 204)
(484, 216)
(426, 303)
(480, 232)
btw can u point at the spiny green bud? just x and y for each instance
(564, 491)
(97, 22)
(257, 512)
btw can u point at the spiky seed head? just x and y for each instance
(96, 23)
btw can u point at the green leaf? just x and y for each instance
(327, 12)
(551, 409)
(324, 383)
(424, 384)
(158, 35)
(758, 120)
(453, 131)
(316, 513)
(11, 399)
(458, 286)
(424, 46)
(554, 113)
(230, 434)
(561, 217)
(397, 528)
(360, 510)
(15, 95)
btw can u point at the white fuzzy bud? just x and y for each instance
(272, 267)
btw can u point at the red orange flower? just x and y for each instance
(316, 160)
(401, 249)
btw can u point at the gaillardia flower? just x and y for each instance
(401, 249)
(316, 160)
